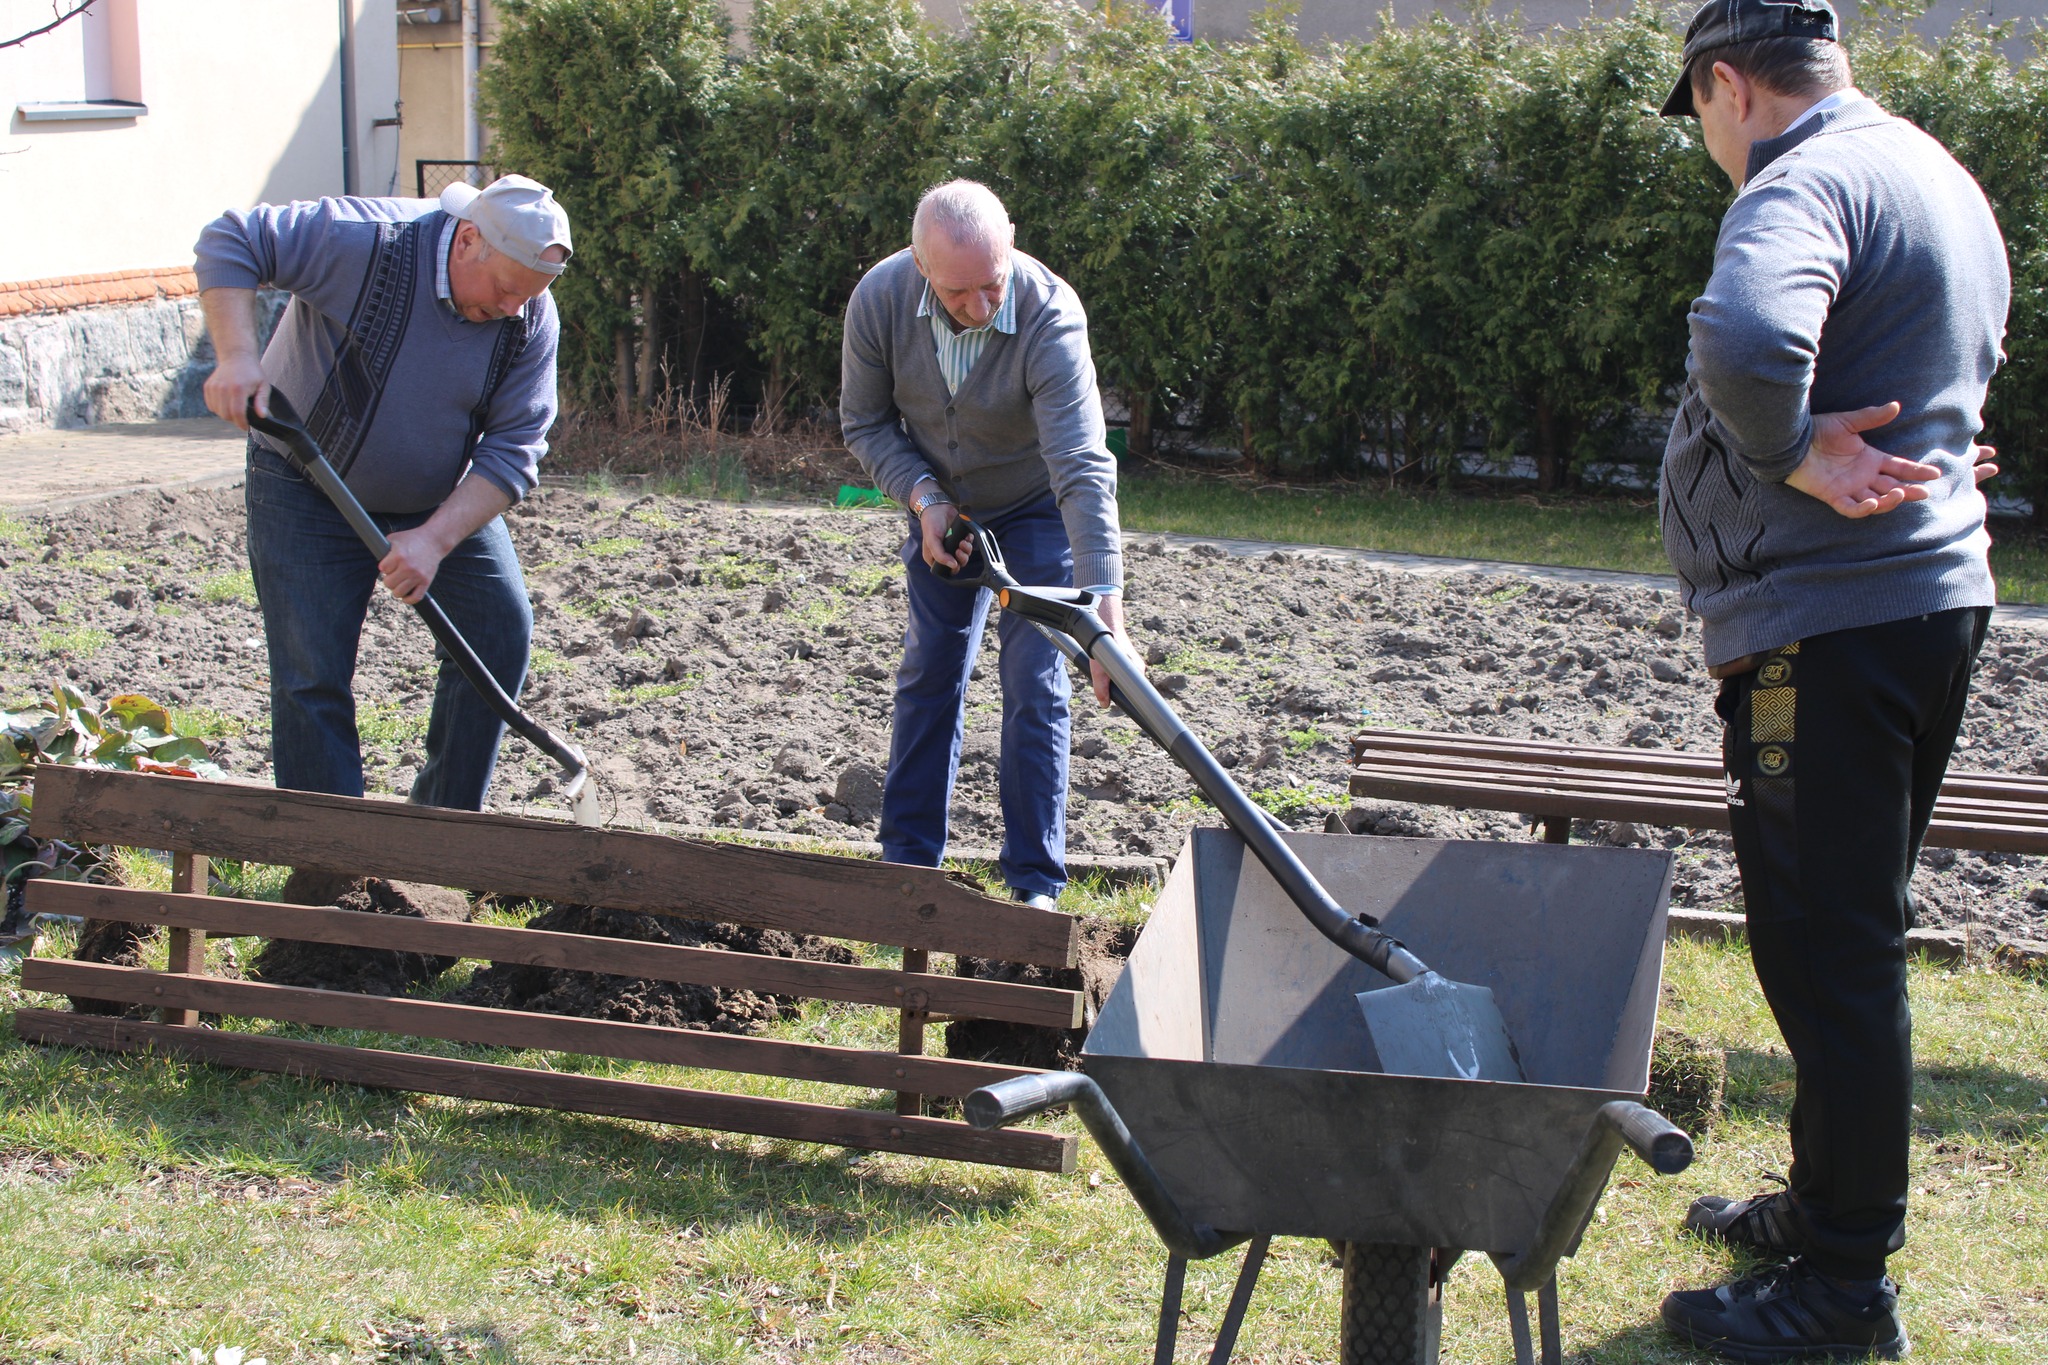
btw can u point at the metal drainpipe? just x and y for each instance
(348, 97)
(472, 35)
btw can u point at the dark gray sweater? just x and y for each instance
(1859, 264)
(1027, 419)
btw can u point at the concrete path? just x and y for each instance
(46, 471)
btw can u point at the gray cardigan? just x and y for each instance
(1027, 420)
(1859, 264)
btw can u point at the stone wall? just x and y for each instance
(113, 362)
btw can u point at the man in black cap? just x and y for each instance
(1859, 285)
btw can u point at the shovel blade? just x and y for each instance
(1433, 1027)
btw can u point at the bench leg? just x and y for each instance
(188, 946)
(1557, 829)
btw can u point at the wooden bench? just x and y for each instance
(920, 910)
(1559, 783)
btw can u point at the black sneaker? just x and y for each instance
(1788, 1313)
(1765, 1223)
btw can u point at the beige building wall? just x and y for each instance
(240, 106)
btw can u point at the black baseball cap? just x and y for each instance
(1723, 23)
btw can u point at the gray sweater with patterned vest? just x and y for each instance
(403, 394)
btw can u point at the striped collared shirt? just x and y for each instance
(442, 289)
(959, 350)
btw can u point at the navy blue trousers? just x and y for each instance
(940, 644)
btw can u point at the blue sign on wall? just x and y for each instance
(1181, 14)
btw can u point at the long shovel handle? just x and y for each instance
(1355, 934)
(284, 425)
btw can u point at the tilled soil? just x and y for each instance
(731, 665)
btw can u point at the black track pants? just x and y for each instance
(1835, 749)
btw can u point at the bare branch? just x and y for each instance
(62, 19)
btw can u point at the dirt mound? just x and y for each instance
(633, 1000)
(116, 943)
(1105, 945)
(360, 971)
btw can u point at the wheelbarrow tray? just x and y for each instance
(1234, 1049)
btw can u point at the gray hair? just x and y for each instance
(966, 211)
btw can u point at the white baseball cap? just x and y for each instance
(516, 216)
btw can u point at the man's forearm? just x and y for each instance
(470, 508)
(231, 322)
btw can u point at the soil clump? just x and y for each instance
(632, 1000)
(1105, 946)
(360, 971)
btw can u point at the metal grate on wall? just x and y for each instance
(434, 176)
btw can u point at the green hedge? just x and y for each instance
(1451, 237)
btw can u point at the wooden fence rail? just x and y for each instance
(920, 910)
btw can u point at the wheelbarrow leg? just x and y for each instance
(1233, 1318)
(1518, 1323)
(1240, 1299)
(1546, 1318)
(1169, 1310)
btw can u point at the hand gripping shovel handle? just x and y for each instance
(1070, 612)
(284, 424)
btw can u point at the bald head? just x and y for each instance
(962, 213)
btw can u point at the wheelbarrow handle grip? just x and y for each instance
(1662, 1144)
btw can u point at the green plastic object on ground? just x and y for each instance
(850, 496)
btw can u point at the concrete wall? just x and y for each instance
(244, 105)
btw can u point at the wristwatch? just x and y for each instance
(934, 497)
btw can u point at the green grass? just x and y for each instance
(238, 586)
(611, 547)
(390, 723)
(79, 642)
(654, 691)
(546, 661)
(155, 1207)
(12, 532)
(1604, 532)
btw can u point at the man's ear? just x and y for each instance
(1731, 84)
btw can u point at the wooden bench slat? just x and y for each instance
(810, 893)
(791, 1119)
(1366, 745)
(514, 1028)
(935, 993)
(2006, 823)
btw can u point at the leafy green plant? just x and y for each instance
(129, 732)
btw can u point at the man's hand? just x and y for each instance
(1111, 610)
(238, 372)
(415, 558)
(932, 524)
(1983, 466)
(1851, 475)
(416, 555)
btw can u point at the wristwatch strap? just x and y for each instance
(935, 497)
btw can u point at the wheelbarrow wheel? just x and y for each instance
(1392, 1315)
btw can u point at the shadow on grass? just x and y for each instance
(1977, 1101)
(152, 1112)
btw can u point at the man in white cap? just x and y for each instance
(420, 345)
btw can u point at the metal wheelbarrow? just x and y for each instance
(1233, 1083)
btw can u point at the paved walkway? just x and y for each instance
(50, 470)
(46, 471)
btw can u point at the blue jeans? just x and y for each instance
(314, 580)
(939, 648)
